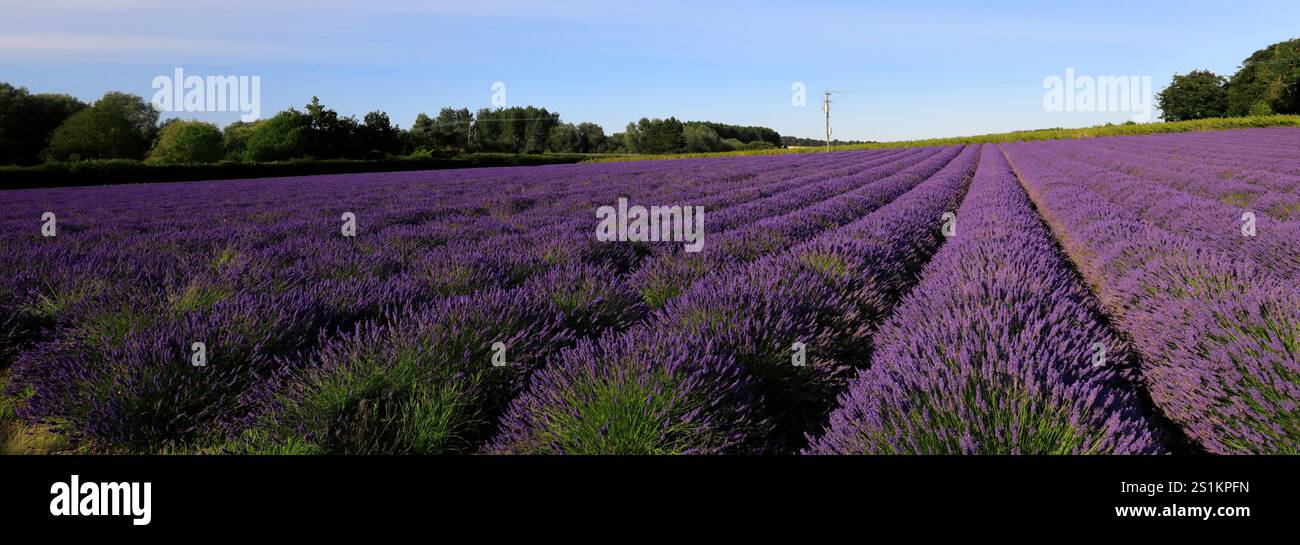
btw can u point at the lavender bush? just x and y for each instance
(383, 342)
(1216, 331)
(993, 351)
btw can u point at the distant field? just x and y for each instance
(1016, 136)
(125, 171)
(1131, 295)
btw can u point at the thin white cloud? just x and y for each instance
(143, 48)
(498, 31)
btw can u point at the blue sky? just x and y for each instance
(910, 69)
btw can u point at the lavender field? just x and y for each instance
(1131, 295)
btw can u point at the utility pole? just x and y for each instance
(826, 107)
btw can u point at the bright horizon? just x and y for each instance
(945, 69)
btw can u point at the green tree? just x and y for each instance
(514, 130)
(591, 138)
(1197, 95)
(1267, 82)
(328, 135)
(280, 138)
(563, 139)
(142, 115)
(537, 128)
(757, 145)
(182, 142)
(377, 136)
(452, 127)
(490, 132)
(28, 120)
(235, 137)
(617, 143)
(421, 134)
(701, 138)
(655, 136)
(744, 133)
(117, 126)
(449, 131)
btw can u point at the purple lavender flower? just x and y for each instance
(993, 351)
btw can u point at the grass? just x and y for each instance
(1015, 136)
(620, 416)
(19, 437)
(1043, 423)
(827, 263)
(372, 405)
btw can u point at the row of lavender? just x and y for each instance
(712, 372)
(999, 349)
(206, 258)
(1189, 243)
(461, 398)
(1210, 307)
(1201, 202)
(382, 343)
(101, 315)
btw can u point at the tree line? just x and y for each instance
(46, 127)
(1268, 82)
(795, 141)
